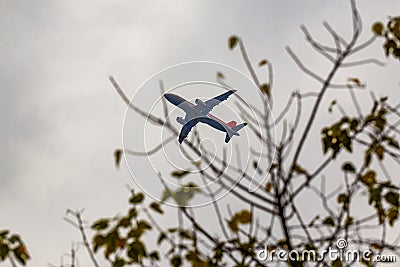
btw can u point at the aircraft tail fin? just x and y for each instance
(231, 124)
(235, 129)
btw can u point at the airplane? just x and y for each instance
(201, 113)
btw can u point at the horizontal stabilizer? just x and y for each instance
(238, 127)
(228, 137)
(235, 129)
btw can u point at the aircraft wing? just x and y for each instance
(186, 129)
(218, 99)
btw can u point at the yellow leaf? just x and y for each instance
(220, 75)
(268, 187)
(380, 152)
(356, 81)
(262, 62)
(378, 28)
(232, 41)
(369, 179)
(244, 216)
(265, 89)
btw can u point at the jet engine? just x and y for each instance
(203, 107)
(200, 103)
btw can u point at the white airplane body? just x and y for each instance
(201, 113)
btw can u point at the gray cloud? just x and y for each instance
(61, 120)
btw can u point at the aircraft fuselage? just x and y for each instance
(200, 113)
(189, 108)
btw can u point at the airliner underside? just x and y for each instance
(201, 113)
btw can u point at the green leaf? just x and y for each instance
(232, 41)
(349, 221)
(389, 46)
(375, 195)
(233, 225)
(135, 232)
(282, 243)
(336, 263)
(137, 250)
(143, 225)
(265, 89)
(342, 198)
(348, 167)
(176, 261)
(4, 250)
(137, 198)
(167, 193)
(161, 238)
(201, 264)
(354, 124)
(300, 170)
(4, 233)
(369, 178)
(338, 136)
(100, 224)
(21, 254)
(98, 241)
(392, 142)
(185, 234)
(156, 207)
(117, 157)
(125, 222)
(380, 122)
(393, 198)
(378, 28)
(331, 105)
(394, 27)
(244, 217)
(392, 215)
(192, 256)
(220, 75)
(132, 213)
(184, 194)
(379, 151)
(154, 256)
(119, 263)
(329, 221)
(15, 239)
(180, 173)
(383, 99)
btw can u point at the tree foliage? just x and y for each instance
(391, 33)
(12, 248)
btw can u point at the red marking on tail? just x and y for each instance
(231, 124)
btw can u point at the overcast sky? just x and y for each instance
(61, 120)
